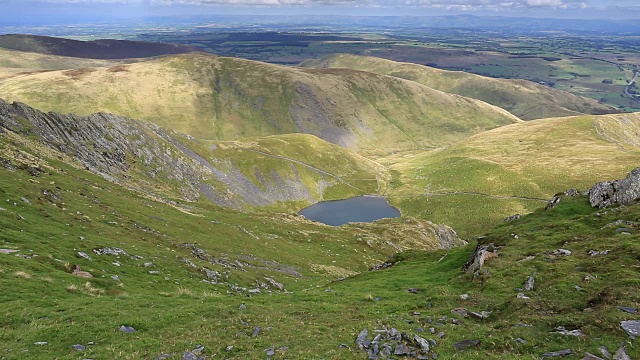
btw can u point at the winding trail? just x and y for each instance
(626, 89)
(486, 195)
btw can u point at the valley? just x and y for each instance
(150, 206)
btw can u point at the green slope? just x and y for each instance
(218, 98)
(279, 173)
(515, 169)
(525, 99)
(174, 310)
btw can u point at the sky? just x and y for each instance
(80, 11)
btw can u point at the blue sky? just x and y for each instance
(88, 10)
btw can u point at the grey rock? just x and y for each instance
(386, 350)
(154, 272)
(270, 352)
(572, 193)
(588, 356)
(561, 252)
(127, 329)
(198, 349)
(605, 352)
(25, 200)
(256, 331)
(617, 223)
(84, 256)
(629, 310)
(559, 353)
(113, 251)
(362, 338)
(229, 348)
(621, 354)
(434, 356)
(147, 264)
(374, 351)
(422, 343)
(433, 343)
(598, 253)
(188, 355)
(274, 283)
(631, 327)
(553, 202)
(115, 277)
(529, 284)
(465, 344)
(479, 256)
(464, 296)
(413, 290)
(520, 340)
(79, 347)
(163, 357)
(461, 311)
(512, 218)
(8, 251)
(401, 349)
(243, 307)
(562, 331)
(440, 335)
(283, 348)
(393, 334)
(481, 315)
(522, 296)
(624, 191)
(40, 343)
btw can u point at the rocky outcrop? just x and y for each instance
(146, 158)
(624, 191)
(479, 256)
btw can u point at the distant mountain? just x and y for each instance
(219, 98)
(96, 49)
(523, 98)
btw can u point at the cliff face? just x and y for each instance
(144, 157)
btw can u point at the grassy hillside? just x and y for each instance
(95, 49)
(188, 276)
(279, 173)
(226, 98)
(525, 99)
(514, 169)
(27, 61)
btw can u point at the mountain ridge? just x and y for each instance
(525, 99)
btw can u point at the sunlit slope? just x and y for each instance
(280, 172)
(525, 99)
(515, 169)
(218, 98)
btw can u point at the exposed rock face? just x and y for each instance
(623, 191)
(479, 256)
(144, 157)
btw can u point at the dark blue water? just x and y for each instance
(356, 209)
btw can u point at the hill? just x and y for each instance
(219, 98)
(475, 183)
(95, 49)
(524, 99)
(203, 281)
(285, 172)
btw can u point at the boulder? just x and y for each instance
(479, 256)
(624, 191)
(559, 353)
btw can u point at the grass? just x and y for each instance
(476, 183)
(175, 315)
(218, 98)
(522, 98)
